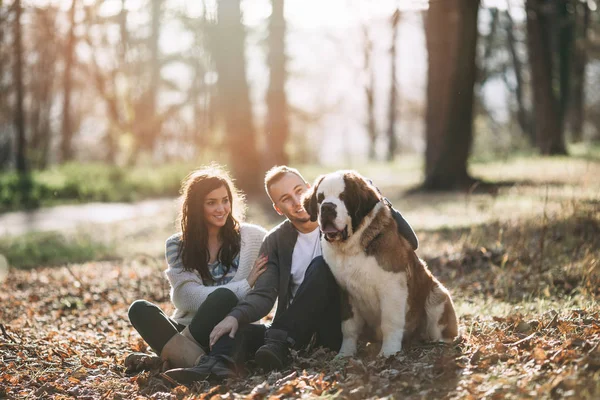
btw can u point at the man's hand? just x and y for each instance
(228, 325)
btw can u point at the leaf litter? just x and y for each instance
(65, 333)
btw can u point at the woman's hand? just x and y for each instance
(259, 267)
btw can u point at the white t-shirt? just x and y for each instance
(308, 246)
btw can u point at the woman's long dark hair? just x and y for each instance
(193, 249)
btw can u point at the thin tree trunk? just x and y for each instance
(277, 127)
(147, 123)
(488, 48)
(42, 88)
(234, 97)
(369, 94)
(548, 122)
(523, 116)
(576, 115)
(451, 34)
(152, 129)
(66, 146)
(391, 133)
(21, 162)
(565, 42)
(111, 134)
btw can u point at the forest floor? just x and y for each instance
(522, 264)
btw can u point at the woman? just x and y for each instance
(212, 264)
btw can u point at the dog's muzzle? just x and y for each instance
(328, 214)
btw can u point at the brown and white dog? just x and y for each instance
(384, 283)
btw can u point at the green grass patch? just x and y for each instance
(96, 182)
(82, 183)
(52, 248)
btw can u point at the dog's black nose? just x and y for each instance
(328, 209)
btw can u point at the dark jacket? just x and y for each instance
(275, 281)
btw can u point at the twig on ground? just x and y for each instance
(593, 349)
(551, 321)
(6, 335)
(518, 342)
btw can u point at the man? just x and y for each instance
(308, 296)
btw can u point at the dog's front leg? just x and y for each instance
(393, 318)
(352, 324)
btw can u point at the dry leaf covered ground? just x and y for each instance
(525, 284)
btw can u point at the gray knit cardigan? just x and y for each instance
(188, 291)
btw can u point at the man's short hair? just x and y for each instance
(276, 173)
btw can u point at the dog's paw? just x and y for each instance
(391, 346)
(385, 353)
(348, 348)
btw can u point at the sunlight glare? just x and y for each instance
(343, 13)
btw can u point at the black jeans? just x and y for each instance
(315, 310)
(156, 328)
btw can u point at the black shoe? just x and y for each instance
(218, 367)
(275, 353)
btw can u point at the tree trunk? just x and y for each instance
(41, 85)
(484, 73)
(451, 34)
(548, 122)
(523, 116)
(147, 122)
(566, 30)
(152, 129)
(21, 162)
(112, 133)
(277, 129)
(66, 145)
(370, 95)
(576, 114)
(234, 97)
(391, 133)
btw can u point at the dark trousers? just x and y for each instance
(314, 311)
(156, 328)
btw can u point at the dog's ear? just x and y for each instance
(310, 200)
(360, 197)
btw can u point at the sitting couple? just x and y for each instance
(225, 275)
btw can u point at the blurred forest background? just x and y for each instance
(131, 94)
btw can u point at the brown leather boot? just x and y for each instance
(181, 351)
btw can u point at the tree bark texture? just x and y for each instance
(523, 115)
(21, 159)
(576, 114)
(370, 94)
(392, 109)
(277, 127)
(547, 110)
(148, 123)
(66, 144)
(451, 34)
(234, 97)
